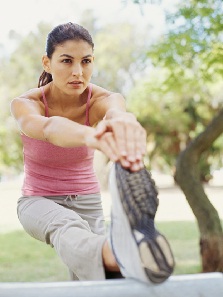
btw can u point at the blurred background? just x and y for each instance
(165, 57)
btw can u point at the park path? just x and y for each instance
(172, 203)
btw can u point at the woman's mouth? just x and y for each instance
(75, 82)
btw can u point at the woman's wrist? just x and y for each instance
(116, 113)
(89, 137)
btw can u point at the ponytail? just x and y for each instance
(44, 79)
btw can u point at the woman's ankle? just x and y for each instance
(109, 261)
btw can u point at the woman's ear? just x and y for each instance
(46, 63)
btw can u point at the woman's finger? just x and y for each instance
(108, 146)
(102, 127)
(129, 139)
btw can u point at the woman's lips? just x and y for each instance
(75, 84)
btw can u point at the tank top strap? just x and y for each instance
(45, 102)
(87, 123)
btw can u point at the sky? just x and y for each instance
(23, 16)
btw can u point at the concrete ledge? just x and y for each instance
(193, 285)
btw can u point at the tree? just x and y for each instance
(172, 117)
(203, 25)
(188, 177)
(190, 52)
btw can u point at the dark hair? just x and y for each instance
(58, 35)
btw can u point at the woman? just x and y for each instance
(62, 122)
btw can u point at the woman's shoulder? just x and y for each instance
(99, 92)
(32, 97)
(103, 100)
(32, 94)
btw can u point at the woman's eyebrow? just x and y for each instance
(71, 57)
(66, 55)
(87, 56)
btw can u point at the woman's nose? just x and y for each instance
(77, 70)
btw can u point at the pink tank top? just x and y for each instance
(51, 170)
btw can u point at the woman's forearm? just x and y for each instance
(117, 113)
(66, 133)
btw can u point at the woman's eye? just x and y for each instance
(66, 61)
(86, 61)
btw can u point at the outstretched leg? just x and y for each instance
(140, 250)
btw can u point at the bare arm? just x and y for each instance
(29, 115)
(60, 131)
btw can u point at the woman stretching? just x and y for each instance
(62, 122)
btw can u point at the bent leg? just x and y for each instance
(78, 247)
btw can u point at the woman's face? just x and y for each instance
(71, 66)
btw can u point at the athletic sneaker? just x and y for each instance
(140, 250)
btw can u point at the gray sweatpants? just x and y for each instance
(73, 225)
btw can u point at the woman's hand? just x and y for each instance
(125, 138)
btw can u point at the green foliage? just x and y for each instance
(118, 59)
(20, 72)
(193, 40)
(26, 61)
(10, 155)
(183, 90)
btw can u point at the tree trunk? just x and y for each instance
(188, 178)
(211, 248)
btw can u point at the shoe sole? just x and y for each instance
(138, 195)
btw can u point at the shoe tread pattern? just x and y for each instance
(138, 194)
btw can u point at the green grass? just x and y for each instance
(25, 259)
(184, 240)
